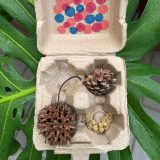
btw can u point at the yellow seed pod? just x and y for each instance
(93, 122)
(95, 128)
(101, 130)
(89, 125)
(105, 124)
(100, 125)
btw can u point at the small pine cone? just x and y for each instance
(100, 82)
(57, 123)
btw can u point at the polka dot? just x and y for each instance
(59, 1)
(80, 8)
(61, 29)
(90, 19)
(88, 29)
(90, 7)
(69, 1)
(71, 21)
(59, 18)
(78, 17)
(87, 1)
(70, 11)
(102, 9)
(65, 6)
(105, 24)
(96, 27)
(84, 14)
(77, 1)
(80, 27)
(66, 24)
(73, 30)
(99, 17)
(57, 9)
(100, 1)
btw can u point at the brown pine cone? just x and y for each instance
(57, 123)
(100, 82)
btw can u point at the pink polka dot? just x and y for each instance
(69, 1)
(96, 27)
(80, 27)
(84, 14)
(102, 9)
(105, 24)
(77, 1)
(100, 1)
(71, 21)
(87, 1)
(57, 9)
(90, 7)
(59, 1)
(78, 17)
(88, 29)
(66, 24)
(61, 29)
(64, 6)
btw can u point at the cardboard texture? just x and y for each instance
(68, 55)
(53, 71)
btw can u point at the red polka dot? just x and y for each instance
(64, 6)
(78, 17)
(88, 29)
(80, 27)
(87, 1)
(102, 9)
(96, 27)
(71, 21)
(105, 24)
(90, 7)
(100, 1)
(57, 9)
(77, 1)
(61, 29)
(66, 24)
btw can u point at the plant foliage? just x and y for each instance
(16, 92)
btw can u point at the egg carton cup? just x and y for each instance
(52, 72)
(109, 41)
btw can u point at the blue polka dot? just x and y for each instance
(90, 19)
(70, 11)
(80, 8)
(73, 30)
(99, 17)
(59, 18)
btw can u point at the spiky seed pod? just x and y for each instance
(57, 123)
(100, 82)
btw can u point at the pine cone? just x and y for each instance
(57, 123)
(100, 82)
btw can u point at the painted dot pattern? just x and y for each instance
(80, 16)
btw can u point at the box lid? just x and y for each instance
(81, 27)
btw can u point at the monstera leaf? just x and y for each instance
(16, 92)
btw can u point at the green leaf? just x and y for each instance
(140, 84)
(144, 34)
(120, 155)
(94, 157)
(51, 155)
(22, 12)
(19, 92)
(18, 45)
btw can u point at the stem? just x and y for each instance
(65, 83)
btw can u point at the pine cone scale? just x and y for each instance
(100, 82)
